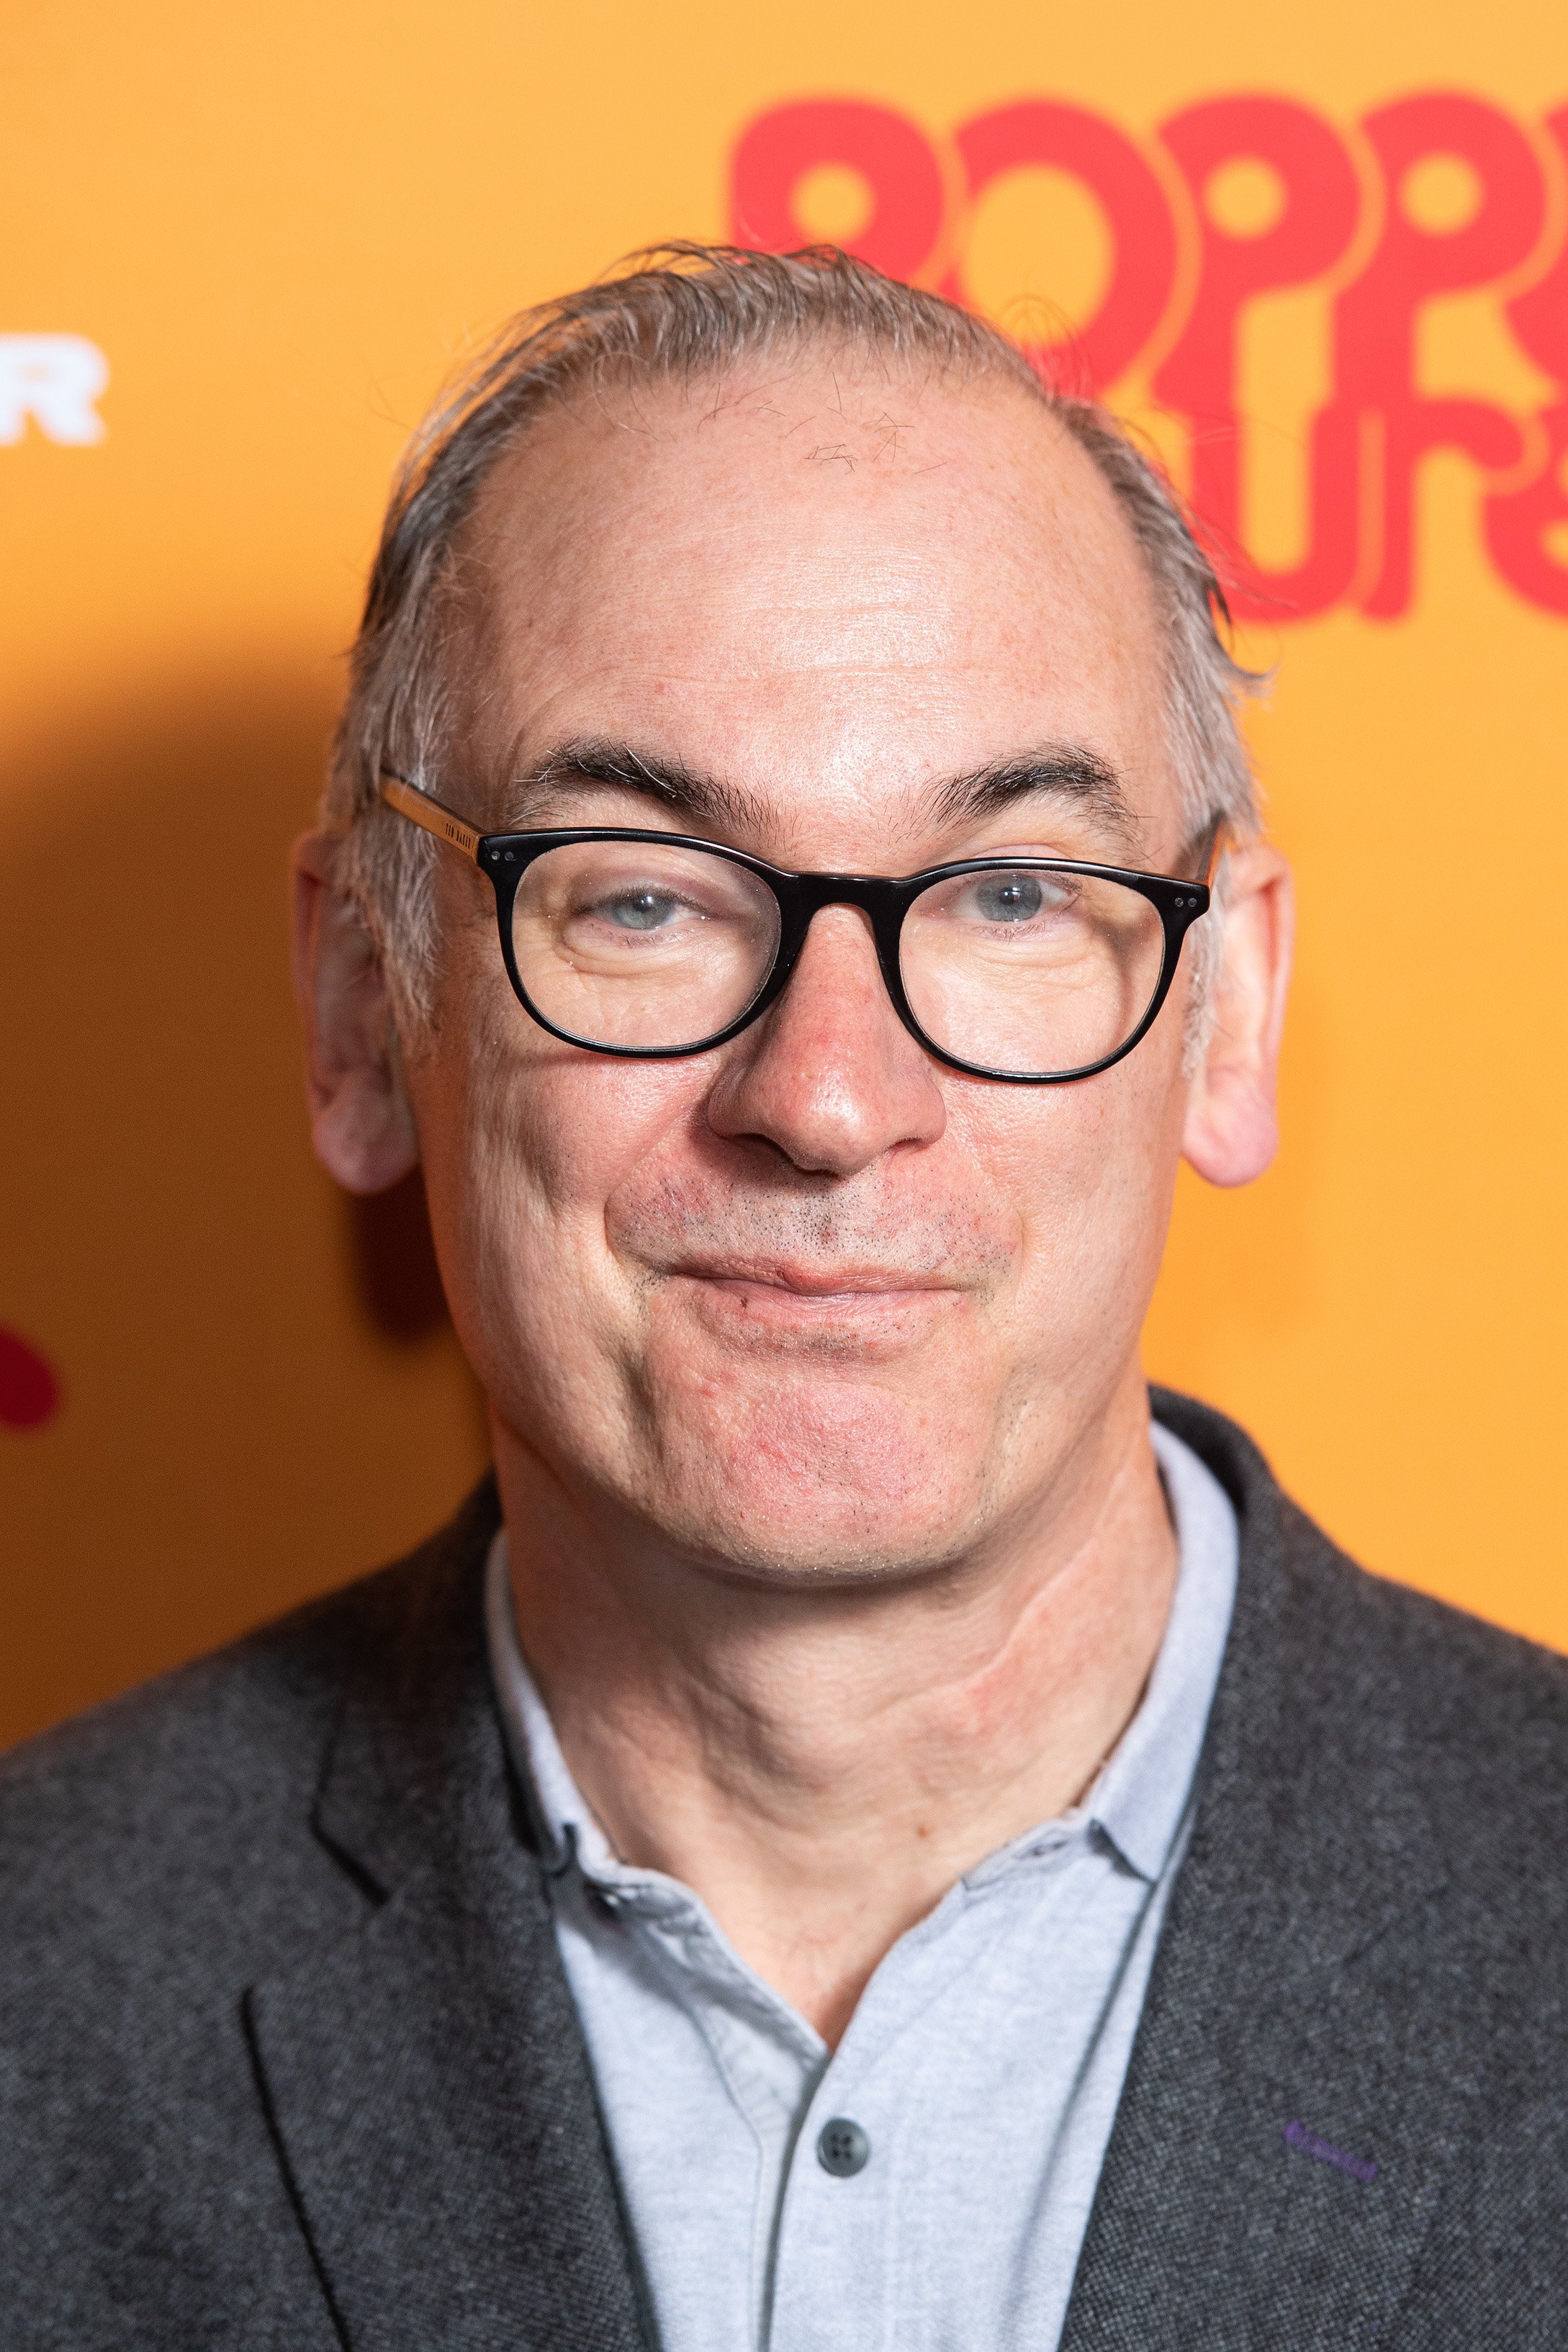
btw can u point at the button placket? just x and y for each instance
(830, 2243)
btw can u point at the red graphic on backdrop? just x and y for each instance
(1517, 523)
(1141, 229)
(1180, 280)
(1319, 212)
(29, 1392)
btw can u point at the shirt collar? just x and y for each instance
(569, 1831)
(1140, 1798)
(1139, 1801)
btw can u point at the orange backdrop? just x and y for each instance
(1319, 254)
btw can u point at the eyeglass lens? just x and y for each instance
(626, 943)
(1026, 973)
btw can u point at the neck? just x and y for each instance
(821, 1767)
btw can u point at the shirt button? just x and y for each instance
(842, 2148)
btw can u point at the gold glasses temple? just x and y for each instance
(433, 814)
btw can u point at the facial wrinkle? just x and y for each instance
(864, 1227)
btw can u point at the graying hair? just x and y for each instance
(684, 313)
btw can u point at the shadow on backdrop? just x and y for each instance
(394, 1260)
(259, 1391)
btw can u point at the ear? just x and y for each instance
(1231, 1132)
(361, 1122)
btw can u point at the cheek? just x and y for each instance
(1091, 1169)
(523, 1141)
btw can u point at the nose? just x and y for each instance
(830, 1077)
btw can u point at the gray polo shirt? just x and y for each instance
(925, 2187)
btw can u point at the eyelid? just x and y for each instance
(1023, 849)
(549, 808)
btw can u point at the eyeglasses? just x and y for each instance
(650, 945)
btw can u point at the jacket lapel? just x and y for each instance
(1296, 2087)
(425, 2076)
(1293, 2092)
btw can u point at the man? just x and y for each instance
(858, 1836)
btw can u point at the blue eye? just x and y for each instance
(1009, 897)
(640, 911)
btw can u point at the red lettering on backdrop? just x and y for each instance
(1374, 328)
(1067, 138)
(1517, 524)
(1314, 229)
(895, 159)
(1367, 444)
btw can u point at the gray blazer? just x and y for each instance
(286, 2057)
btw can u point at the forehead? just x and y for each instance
(835, 580)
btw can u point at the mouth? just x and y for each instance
(796, 1279)
(749, 1295)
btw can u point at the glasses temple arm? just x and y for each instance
(1202, 854)
(424, 809)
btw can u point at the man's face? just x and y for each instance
(810, 1303)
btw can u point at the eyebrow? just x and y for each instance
(1067, 772)
(620, 767)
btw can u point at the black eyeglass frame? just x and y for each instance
(885, 899)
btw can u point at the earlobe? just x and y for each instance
(1231, 1132)
(362, 1121)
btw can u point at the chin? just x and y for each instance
(843, 1480)
(840, 1547)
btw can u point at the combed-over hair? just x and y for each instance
(680, 313)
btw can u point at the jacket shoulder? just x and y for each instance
(193, 1795)
(1481, 1713)
(1386, 1676)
